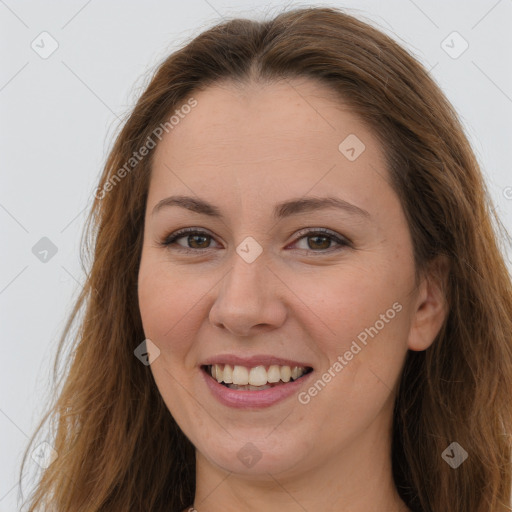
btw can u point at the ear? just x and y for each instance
(431, 306)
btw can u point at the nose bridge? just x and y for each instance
(247, 295)
(244, 285)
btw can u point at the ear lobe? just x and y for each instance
(432, 307)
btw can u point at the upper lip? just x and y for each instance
(252, 361)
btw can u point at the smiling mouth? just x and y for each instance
(256, 378)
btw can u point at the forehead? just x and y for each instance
(268, 138)
(286, 118)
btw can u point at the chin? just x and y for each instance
(256, 458)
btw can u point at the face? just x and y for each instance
(324, 286)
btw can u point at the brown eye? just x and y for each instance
(319, 242)
(322, 240)
(195, 240)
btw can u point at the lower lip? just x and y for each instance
(253, 399)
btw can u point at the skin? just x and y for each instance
(300, 299)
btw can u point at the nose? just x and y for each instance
(249, 299)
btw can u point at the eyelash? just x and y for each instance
(182, 233)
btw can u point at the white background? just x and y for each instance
(58, 117)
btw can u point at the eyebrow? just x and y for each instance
(281, 210)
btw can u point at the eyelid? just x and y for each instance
(340, 240)
(312, 231)
(171, 238)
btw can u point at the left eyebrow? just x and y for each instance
(281, 210)
(309, 204)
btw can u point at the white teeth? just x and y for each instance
(258, 376)
(240, 375)
(286, 373)
(296, 372)
(248, 387)
(228, 374)
(254, 378)
(274, 373)
(219, 373)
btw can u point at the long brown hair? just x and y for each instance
(119, 447)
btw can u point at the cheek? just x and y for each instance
(172, 304)
(363, 333)
(353, 299)
(168, 304)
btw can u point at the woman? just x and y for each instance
(297, 299)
